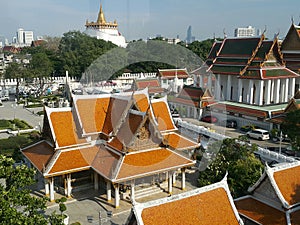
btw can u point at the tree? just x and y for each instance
(78, 50)
(291, 127)
(41, 67)
(17, 205)
(236, 158)
(201, 48)
(15, 71)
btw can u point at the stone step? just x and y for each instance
(144, 192)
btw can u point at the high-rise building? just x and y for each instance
(108, 31)
(24, 38)
(244, 31)
(189, 37)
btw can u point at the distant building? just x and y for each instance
(108, 31)
(189, 37)
(24, 38)
(244, 32)
(173, 80)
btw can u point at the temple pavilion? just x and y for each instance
(113, 142)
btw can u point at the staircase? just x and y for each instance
(152, 190)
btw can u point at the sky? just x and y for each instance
(148, 18)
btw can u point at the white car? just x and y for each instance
(259, 134)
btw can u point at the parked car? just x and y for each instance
(229, 123)
(259, 134)
(209, 119)
(249, 128)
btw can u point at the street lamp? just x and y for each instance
(280, 140)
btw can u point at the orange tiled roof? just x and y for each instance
(162, 116)
(141, 102)
(127, 131)
(106, 162)
(92, 113)
(140, 163)
(69, 160)
(176, 141)
(114, 113)
(65, 129)
(260, 212)
(288, 182)
(211, 207)
(295, 218)
(39, 154)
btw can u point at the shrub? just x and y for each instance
(5, 124)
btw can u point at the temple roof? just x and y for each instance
(172, 73)
(63, 127)
(124, 138)
(162, 115)
(211, 204)
(285, 180)
(39, 154)
(248, 58)
(260, 212)
(101, 22)
(152, 84)
(190, 95)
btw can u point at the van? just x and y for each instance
(259, 134)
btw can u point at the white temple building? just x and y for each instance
(107, 31)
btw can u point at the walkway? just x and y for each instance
(84, 206)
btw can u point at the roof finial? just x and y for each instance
(225, 35)
(265, 30)
(292, 18)
(101, 18)
(277, 34)
(215, 36)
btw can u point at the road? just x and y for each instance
(11, 110)
(234, 133)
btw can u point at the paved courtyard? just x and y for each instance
(11, 110)
(84, 206)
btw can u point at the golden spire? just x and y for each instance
(101, 18)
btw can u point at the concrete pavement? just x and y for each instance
(11, 110)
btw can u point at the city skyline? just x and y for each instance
(145, 18)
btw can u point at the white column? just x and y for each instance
(96, 181)
(272, 91)
(292, 87)
(46, 181)
(209, 82)
(286, 90)
(108, 190)
(183, 179)
(132, 192)
(69, 187)
(250, 92)
(51, 183)
(276, 91)
(259, 93)
(170, 183)
(240, 90)
(201, 83)
(228, 95)
(174, 178)
(268, 92)
(117, 196)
